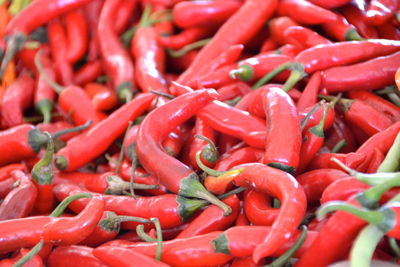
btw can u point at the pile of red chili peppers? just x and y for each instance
(199, 133)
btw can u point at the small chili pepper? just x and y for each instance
(233, 90)
(258, 209)
(62, 256)
(33, 16)
(77, 35)
(175, 175)
(203, 14)
(5, 171)
(376, 161)
(342, 189)
(117, 256)
(255, 18)
(388, 31)
(118, 65)
(196, 251)
(305, 12)
(212, 219)
(240, 241)
(6, 185)
(103, 98)
(379, 11)
(309, 95)
(329, 4)
(304, 37)
(204, 139)
(184, 38)
(363, 76)
(355, 16)
(344, 53)
(19, 202)
(175, 140)
(56, 127)
(16, 99)
(123, 15)
(314, 182)
(323, 161)
(96, 141)
(88, 72)
(232, 121)
(341, 30)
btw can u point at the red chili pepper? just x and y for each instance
(240, 241)
(209, 154)
(118, 65)
(258, 208)
(116, 256)
(243, 262)
(278, 26)
(88, 72)
(344, 53)
(16, 99)
(77, 35)
(6, 185)
(305, 12)
(269, 45)
(341, 30)
(56, 127)
(377, 159)
(59, 50)
(92, 14)
(379, 11)
(305, 37)
(19, 202)
(232, 121)
(281, 117)
(5, 171)
(309, 95)
(62, 256)
(196, 251)
(124, 15)
(255, 12)
(342, 189)
(101, 136)
(389, 31)
(103, 98)
(355, 16)
(149, 57)
(35, 261)
(233, 90)
(323, 161)
(175, 140)
(184, 38)
(289, 50)
(329, 4)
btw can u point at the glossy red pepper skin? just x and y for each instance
(281, 115)
(118, 65)
(5, 171)
(19, 202)
(116, 256)
(240, 241)
(256, 12)
(363, 75)
(309, 96)
(329, 4)
(212, 219)
(277, 28)
(258, 209)
(92, 13)
(123, 15)
(88, 72)
(233, 90)
(379, 11)
(342, 189)
(175, 140)
(323, 161)
(203, 129)
(62, 256)
(184, 38)
(27, 232)
(101, 136)
(196, 251)
(314, 182)
(305, 12)
(35, 261)
(293, 201)
(77, 33)
(304, 37)
(173, 173)
(340, 131)
(388, 31)
(344, 53)
(232, 121)
(355, 16)
(243, 262)
(203, 13)
(341, 30)
(6, 185)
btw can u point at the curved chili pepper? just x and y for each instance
(123, 15)
(341, 30)
(101, 136)
(6, 185)
(103, 98)
(196, 251)
(309, 95)
(212, 219)
(184, 38)
(16, 99)
(30, 18)
(118, 65)
(388, 31)
(19, 202)
(363, 75)
(355, 16)
(339, 134)
(175, 140)
(323, 161)
(88, 72)
(379, 11)
(175, 175)
(277, 28)
(281, 117)
(304, 37)
(92, 13)
(240, 241)
(342, 189)
(258, 208)
(209, 154)
(305, 12)
(58, 48)
(77, 34)
(255, 12)
(232, 121)
(117, 256)
(233, 90)
(203, 14)
(62, 256)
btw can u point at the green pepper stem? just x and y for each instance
(158, 93)
(269, 76)
(394, 246)
(113, 221)
(14, 44)
(352, 35)
(284, 258)
(243, 72)
(68, 200)
(187, 48)
(71, 130)
(135, 163)
(43, 172)
(45, 107)
(35, 250)
(371, 197)
(117, 186)
(56, 87)
(364, 246)
(145, 19)
(142, 234)
(394, 97)
(392, 160)
(374, 217)
(206, 169)
(297, 73)
(232, 192)
(309, 114)
(210, 151)
(318, 130)
(339, 145)
(156, 222)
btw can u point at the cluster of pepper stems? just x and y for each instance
(199, 133)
